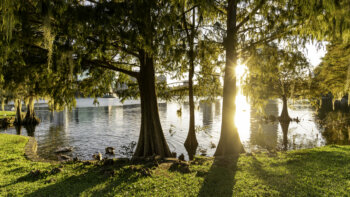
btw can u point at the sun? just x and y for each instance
(241, 71)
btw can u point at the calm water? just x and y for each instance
(90, 129)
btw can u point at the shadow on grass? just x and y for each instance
(220, 179)
(304, 173)
(105, 177)
(72, 185)
(33, 176)
(15, 170)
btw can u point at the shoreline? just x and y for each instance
(318, 171)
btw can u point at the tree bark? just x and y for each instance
(191, 142)
(2, 104)
(230, 142)
(18, 129)
(284, 114)
(30, 118)
(19, 117)
(151, 140)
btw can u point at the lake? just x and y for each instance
(90, 129)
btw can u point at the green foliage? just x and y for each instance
(275, 73)
(4, 114)
(8, 22)
(323, 20)
(117, 41)
(197, 54)
(76, 38)
(30, 57)
(336, 127)
(333, 74)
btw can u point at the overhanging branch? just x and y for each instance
(111, 66)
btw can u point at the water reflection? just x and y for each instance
(90, 129)
(30, 130)
(285, 127)
(264, 134)
(207, 112)
(243, 119)
(76, 115)
(336, 127)
(217, 108)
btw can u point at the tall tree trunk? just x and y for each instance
(348, 104)
(230, 142)
(151, 140)
(191, 142)
(2, 104)
(30, 118)
(284, 114)
(19, 117)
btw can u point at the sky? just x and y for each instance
(314, 53)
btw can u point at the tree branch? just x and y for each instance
(125, 50)
(108, 65)
(185, 25)
(115, 45)
(184, 12)
(246, 19)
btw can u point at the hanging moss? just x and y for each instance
(7, 8)
(49, 38)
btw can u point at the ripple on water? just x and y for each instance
(91, 129)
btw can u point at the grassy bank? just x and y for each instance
(314, 172)
(4, 114)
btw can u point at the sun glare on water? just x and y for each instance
(242, 116)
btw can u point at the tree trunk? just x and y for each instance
(19, 117)
(3, 104)
(18, 129)
(230, 142)
(348, 105)
(151, 140)
(191, 142)
(284, 115)
(30, 118)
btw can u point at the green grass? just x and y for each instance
(321, 171)
(4, 114)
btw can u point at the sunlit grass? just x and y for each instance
(4, 114)
(313, 172)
